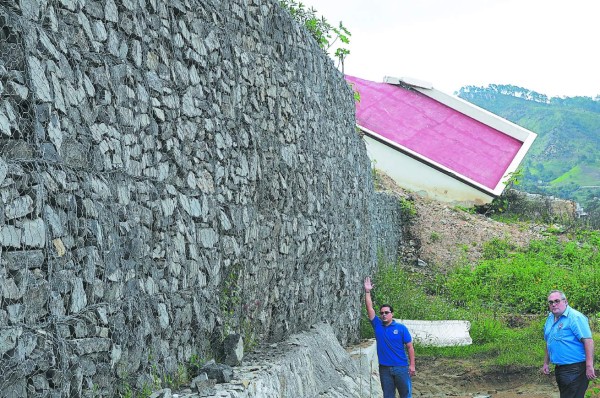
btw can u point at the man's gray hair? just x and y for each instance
(562, 294)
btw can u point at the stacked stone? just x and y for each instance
(170, 173)
(387, 223)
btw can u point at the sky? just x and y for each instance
(549, 46)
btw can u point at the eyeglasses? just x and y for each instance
(384, 312)
(554, 302)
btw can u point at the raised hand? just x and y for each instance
(368, 285)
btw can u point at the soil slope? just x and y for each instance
(447, 234)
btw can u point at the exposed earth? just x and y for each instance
(448, 234)
(443, 377)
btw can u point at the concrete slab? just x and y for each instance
(439, 333)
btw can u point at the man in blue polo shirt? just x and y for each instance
(569, 346)
(395, 369)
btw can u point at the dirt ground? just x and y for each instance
(442, 377)
(447, 234)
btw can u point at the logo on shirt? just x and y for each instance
(395, 332)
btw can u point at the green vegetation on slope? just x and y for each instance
(503, 296)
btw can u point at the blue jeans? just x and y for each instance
(395, 378)
(572, 380)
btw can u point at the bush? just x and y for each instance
(325, 34)
(521, 279)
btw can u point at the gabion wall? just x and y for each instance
(170, 172)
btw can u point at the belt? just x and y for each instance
(571, 365)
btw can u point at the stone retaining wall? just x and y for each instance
(308, 364)
(170, 172)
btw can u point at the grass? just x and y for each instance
(496, 344)
(594, 389)
(503, 297)
(435, 237)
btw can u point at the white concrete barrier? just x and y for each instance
(439, 333)
(365, 357)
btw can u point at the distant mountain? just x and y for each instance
(564, 160)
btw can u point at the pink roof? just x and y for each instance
(435, 131)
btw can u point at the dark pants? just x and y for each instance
(572, 380)
(395, 378)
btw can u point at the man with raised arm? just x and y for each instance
(393, 342)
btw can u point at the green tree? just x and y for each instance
(324, 33)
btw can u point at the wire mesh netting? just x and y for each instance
(155, 178)
(91, 235)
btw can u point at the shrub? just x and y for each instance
(323, 32)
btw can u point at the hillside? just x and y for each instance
(564, 160)
(447, 235)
